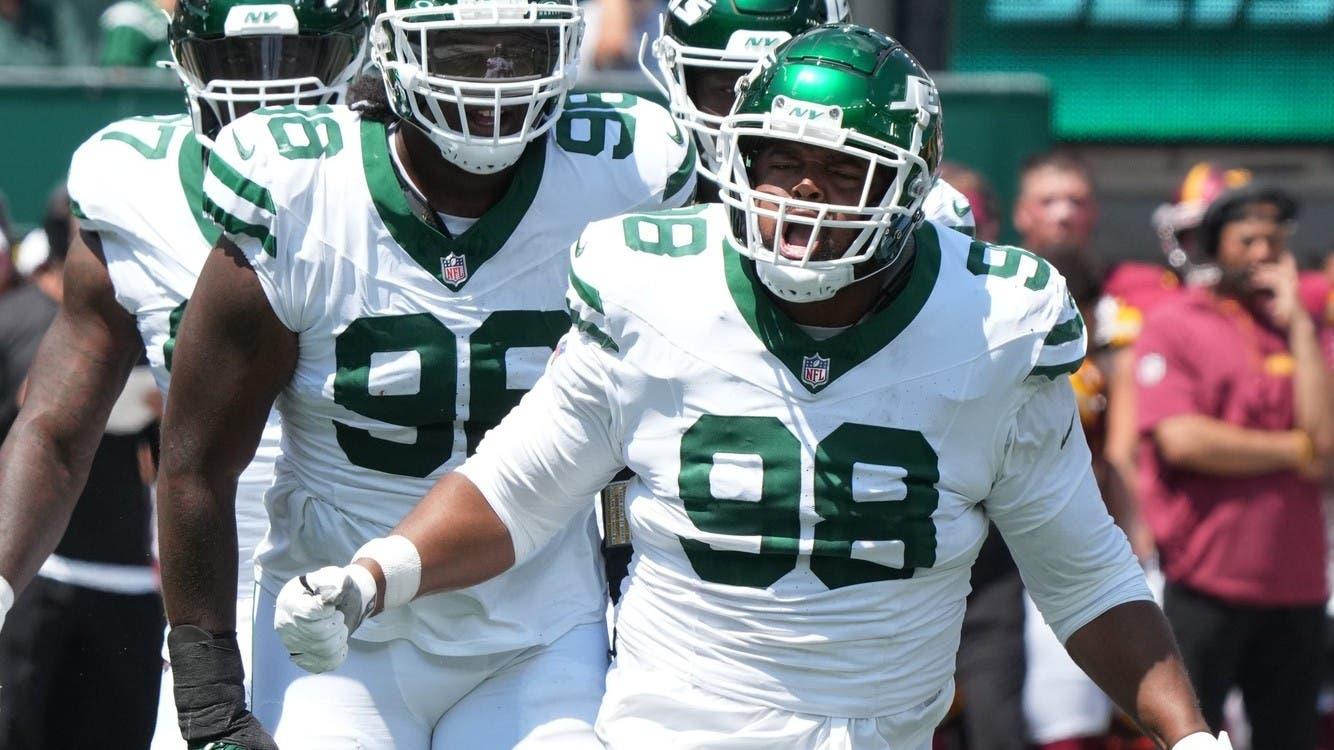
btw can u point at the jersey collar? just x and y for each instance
(816, 364)
(451, 260)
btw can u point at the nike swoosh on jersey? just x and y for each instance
(245, 153)
(676, 134)
(1069, 429)
(961, 208)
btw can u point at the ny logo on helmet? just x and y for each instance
(690, 11)
(920, 96)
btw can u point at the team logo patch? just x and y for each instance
(815, 370)
(454, 269)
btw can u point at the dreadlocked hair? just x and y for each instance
(367, 97)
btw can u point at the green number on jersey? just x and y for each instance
(665, 235)
(711, 446)
(421, 342)
(148, 151)
(719, 453)
(491, 398)
(304, 137)
(597, 112)
(429, 409)
(1010, 266)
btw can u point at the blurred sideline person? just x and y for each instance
(395, 282)
(1134, 289)
(1057, 207)
(836, 353)
(137, 189)
(990, 665)
(1234, 414)
(1055, 214)
(60, 655)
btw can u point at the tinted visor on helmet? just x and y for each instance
(493, 56)
(268, 57)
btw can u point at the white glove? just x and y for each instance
(317, 612)
(1204, 741)
(6, 599)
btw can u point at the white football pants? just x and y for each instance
(394, 696)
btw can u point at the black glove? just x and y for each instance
(210, 692)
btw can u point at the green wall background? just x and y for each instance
(1164, 70)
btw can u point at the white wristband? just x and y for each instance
(402, 566)
(1204, 741)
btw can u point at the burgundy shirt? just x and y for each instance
(1249, 540)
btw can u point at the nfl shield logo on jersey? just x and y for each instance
(454, 269)
(815, 370)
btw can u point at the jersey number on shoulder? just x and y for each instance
(874, 490)
(167, 128)
(590, 118)
(1006, 262)
(302, 133)
(403, 370)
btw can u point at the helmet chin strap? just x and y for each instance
(478, 159)
(805, 284)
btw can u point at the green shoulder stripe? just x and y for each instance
(232, 225)
(240, 184)
(1065, 332)
(1053, 372)
(77, 210)
(592, 331)
(586, 292)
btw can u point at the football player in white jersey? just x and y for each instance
(137, 189)
(394, 277)
(704, 47)
(823, 399)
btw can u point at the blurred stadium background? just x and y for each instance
(1141, 89)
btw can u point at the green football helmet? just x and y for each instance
(482, 78)
(853, 90)
(724, 35)
(235, 56)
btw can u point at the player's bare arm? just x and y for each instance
(80, 369)
(232, 359)
(1143, 674)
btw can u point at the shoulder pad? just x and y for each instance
(139, 148)
(946, 205)
(638, 139)
(1032, 295)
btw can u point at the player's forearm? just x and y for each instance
(1311, 386)
(197, 546)
(41, 476)
(459, 541)
(1211, 446)
(1130, 653)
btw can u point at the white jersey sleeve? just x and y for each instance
(257, 189)
(555, 450)
(1075, 561)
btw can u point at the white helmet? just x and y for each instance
(482, 78)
